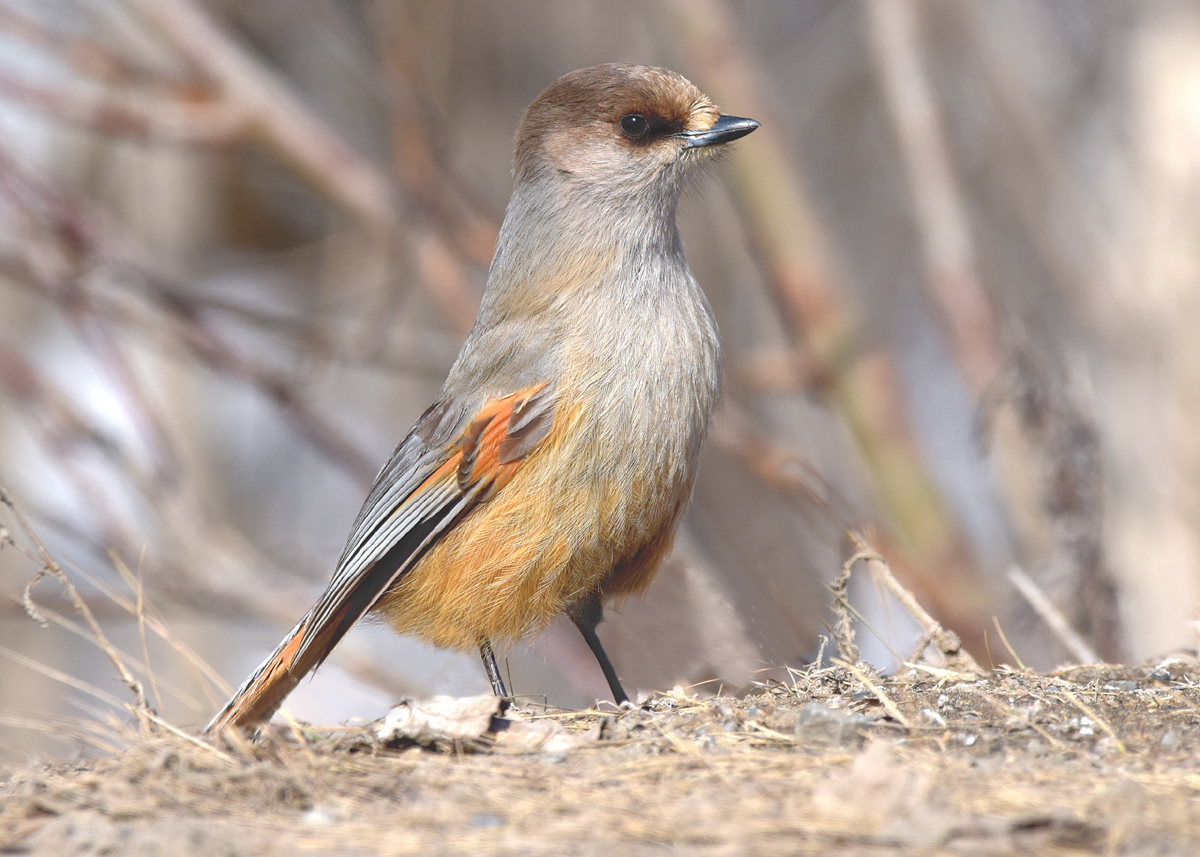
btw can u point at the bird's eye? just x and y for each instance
(634, 125)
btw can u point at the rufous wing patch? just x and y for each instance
(497, 441)
(528, 424)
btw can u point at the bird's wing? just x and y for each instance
(454, 458)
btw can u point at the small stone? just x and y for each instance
(1121, 685)
(819, 724)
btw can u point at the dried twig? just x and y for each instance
(206, 746)
(140, 589)
(1096, 718)
(1004, 639)
(1013, 711)
(843, 629)
(49, 566)
(93, 734)
(135, 666)
(879, 693)
(160, 628)
(946, 640)
(61, 677)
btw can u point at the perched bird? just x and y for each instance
(552, 469)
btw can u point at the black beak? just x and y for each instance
(725, 130)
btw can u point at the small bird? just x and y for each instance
(551, 471)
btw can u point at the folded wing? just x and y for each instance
(454, 458)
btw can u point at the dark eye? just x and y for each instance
(634, 125)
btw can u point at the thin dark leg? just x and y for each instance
(614, 683)
(493, 670)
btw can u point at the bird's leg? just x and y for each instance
(493, 669)
(586, 614)
(618, 692)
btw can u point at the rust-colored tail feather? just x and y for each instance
(322, 628)
(309, 644)
(262, 694)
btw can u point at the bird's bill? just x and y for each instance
(725, 130)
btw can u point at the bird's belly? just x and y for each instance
(588, 512)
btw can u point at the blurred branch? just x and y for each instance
(276, 115)
(253, 102)
(463, 231)
(127, 385)
(445, 279)
(84, 55)
(65, 429)
(294, 403)
(1065, 454)
(773, 462)
(954, 285)
(424, 353)
(129, 114)
(72, 237)
(1035, 172)
(65, 238)
(421, 148)
(27, 388)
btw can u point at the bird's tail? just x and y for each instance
(342, 604)
(263, 692)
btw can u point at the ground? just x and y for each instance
(1088, 760)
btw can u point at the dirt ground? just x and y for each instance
(1090, 760)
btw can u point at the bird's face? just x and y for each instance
(617, 130)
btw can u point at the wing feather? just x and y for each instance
(421, 492)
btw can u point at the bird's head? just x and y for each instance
(619, 130)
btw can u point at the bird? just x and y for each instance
(551, 471)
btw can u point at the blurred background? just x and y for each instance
(955, 273)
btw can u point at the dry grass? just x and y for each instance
(1089, 760)
(935, 760)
